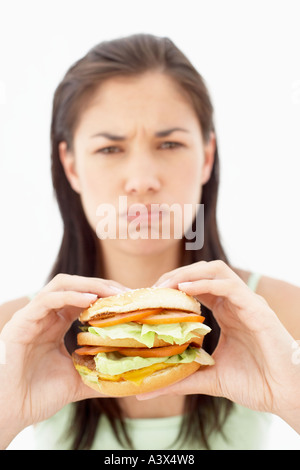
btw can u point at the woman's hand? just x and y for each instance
(253, 359)
(38, 377)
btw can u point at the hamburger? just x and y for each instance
(140, 340)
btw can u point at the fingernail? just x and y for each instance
(184, 284)
(118, 289)
(163, 284)
(91, 297)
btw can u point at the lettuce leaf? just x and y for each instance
(177, 333)
(114, 363)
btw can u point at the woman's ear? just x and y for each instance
(209, 158)
(68, 162)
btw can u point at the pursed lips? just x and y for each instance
(145, 211)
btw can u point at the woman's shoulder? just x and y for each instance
(283, 297)
(268, 286)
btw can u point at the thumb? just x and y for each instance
(84, 392)
(202, 382)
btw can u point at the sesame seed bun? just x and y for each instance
(140, 299)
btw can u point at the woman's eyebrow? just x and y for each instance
(169, 131)
(163, 133)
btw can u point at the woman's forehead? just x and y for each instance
(122, 101)
(130, 91)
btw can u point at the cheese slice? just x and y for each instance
(135, 376)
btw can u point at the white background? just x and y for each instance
(248, 53)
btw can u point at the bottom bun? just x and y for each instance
(153, 382)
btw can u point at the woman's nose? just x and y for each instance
(142, 178)
(141, 184)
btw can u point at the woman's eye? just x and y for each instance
(107, 150)
(164, 146)
(171, 145)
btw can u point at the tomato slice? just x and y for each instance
(172, 318)
(93, 350)
(154, 352)
(124, 317)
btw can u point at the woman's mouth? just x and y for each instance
(146, 213)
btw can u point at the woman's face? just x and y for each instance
(140, 138)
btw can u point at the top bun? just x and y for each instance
(140, 299)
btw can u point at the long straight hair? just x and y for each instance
(80, 251)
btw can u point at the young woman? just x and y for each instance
(133, 118)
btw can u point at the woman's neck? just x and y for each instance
(138, 270)
(160, 407)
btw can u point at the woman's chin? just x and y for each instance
(143, 246)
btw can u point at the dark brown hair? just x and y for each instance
(80, 252)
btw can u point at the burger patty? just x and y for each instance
(101, 316)
(87, 361)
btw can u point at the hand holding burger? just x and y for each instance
(140, 340)
(37, 377)
(256, 361)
